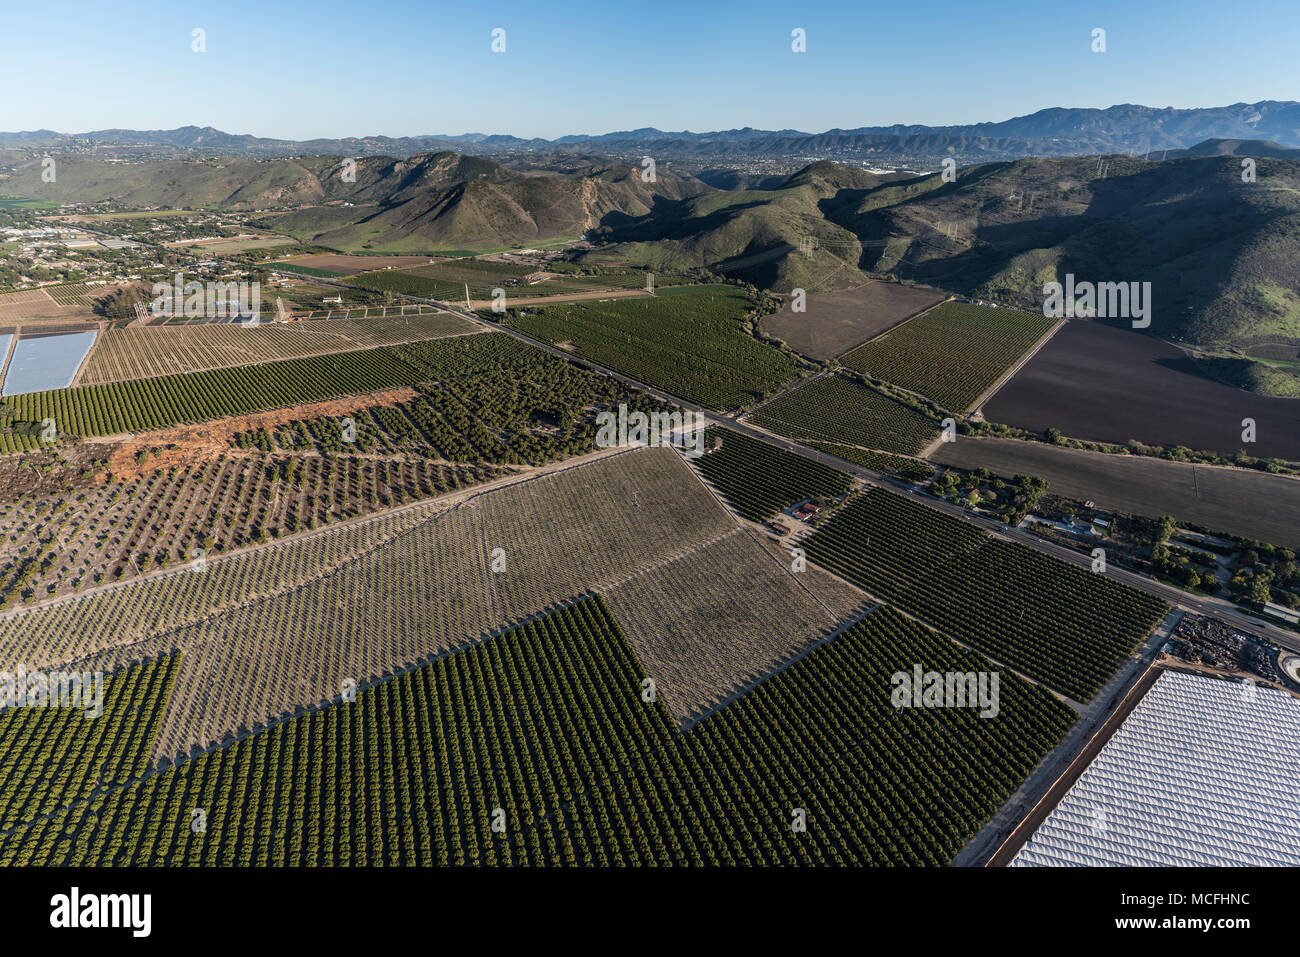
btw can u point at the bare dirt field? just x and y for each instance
(837, 321)
(1105, 384)
(1237, 501)
(350, 265)
(194, 444)
(71, 302)
(35, 304)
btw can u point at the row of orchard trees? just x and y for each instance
(547, 745)
(1003, 598)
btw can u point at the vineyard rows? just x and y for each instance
(145, 352)
(914, 470)
(690, 342)
(722, 616)
(836, 409)
(544, 731)
(1053, 621)
(759, 480)
(953, 353)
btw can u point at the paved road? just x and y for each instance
(1205, 605)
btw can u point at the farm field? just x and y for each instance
(954, 353)
(442, 280)
(26, 304)
(78, 294)
(700, 634)
(234, 483)
(55, 545)
(1022, 608)
(106, 751)
(759, 481)
(838, 410)
(435, 751)
(145, 404)
(448, 279)
(144, 352)
(1104, 384)
(343, 265)
(71, 629)
(911, 469)
(690, 341)
(837, 321)
(274, 647)
(538, 410)
(1242, 502)
(226, 247)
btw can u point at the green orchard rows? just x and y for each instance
(539, 747)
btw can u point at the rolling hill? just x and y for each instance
(443, 200)
(1222, 255)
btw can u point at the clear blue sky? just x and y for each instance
(327, 68)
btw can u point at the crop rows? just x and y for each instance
(692, 342)
(268, 630)
(760, 480)
(53, 756)
(198, 396)
(444, 281)
(73, 629)
(1053, 621)
(281, 266)
(538, 410)
(53, 544)
(701, 634)
(17, 436)
(911, 469)
(543, 730)
(836, 409)
(953, 353)
(143, 352)
(75, 294)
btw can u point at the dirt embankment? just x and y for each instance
(89, 463)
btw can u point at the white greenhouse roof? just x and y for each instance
(1203, 772)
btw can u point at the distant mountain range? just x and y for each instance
(1222, 251)
(1052, 132)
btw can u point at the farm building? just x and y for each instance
(1203, 772)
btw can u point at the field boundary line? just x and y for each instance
(898, 325)
(841, 626)
(1056, 791)
(9, 354)
(1019, 364)
(350, 347)
(809, 380)
(790, 572)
